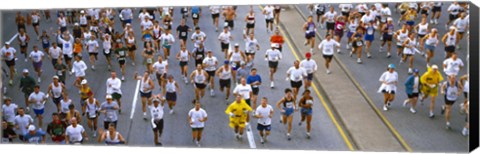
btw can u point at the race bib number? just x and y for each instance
(383, 20)
(195, 15)
(149, 60)
(110, 116)
(183, 34)
(390, 32)
(370, 31)
(200, 79)
(423, 31)
(107, 51)
(328, 50)
(296, 77)
(289, 105)
(92, 114)
(45, 41)
(170, 89)
(359, 43)
(309, 101)
(183, 58)
(199, 56)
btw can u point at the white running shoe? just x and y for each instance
(389, 55)
(405, 103)
(144, 115)
(123, 78)
(369, 55)
(212, 92)
(39, 80)
(385, 108)
(328, 71)
(465, 131)
(413, 110)
(359, 61)
(171, 111)
(95, 133)
(272, 84)
(410, 70)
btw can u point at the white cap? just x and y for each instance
(452, 28)
(128, 24)
(55, 77)
(76, 24)
(81, 11)
(84, 81)
(25, 70)
(389, 19)
(236, 44)
(434, 67)
(7, 43)
(108, 97)
(273, 45)
(31, 128)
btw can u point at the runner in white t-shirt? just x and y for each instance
(224, 39)
(273, 56)
(310, 66)
(268, 12)
(245, 90)
(210, 64)
(452, 65)
(462, 25)
(327, 46)
(37, 57)
(296, 74)
(197, 117)
(38, 99)
(264, 114)
(75, 133)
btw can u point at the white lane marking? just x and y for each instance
(11, 39)
(135, 99)
(250, 137)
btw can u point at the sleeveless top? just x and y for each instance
(250, 19)
(226, 74)
(451, 92)
(310, 27)
(288, 103)
(63, 22)
(199, 53)
(451, 39)
(83, 20)
(57, 90)
(184, 56)
(389, 29)
(339, 26)
(431, 40)
(170, 86)
(145, 84)
(236, 57)
(199, 77)
(64, 105)
(92, 108)
(422, 29)
(306, 101)
(402, 37)
(23, 39)
(108, 139)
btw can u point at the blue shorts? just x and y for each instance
(288, 111)
(309, 35)
(430, 47)
(261, 127)
(411, 23)
(127, 21)
(310, 76)
(38, 112)
(369, 38)
(349, 34)
(46, 45)
(306, 111)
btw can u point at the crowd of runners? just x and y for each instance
(92, 31)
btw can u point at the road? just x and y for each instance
(325, 135)
(420, 132)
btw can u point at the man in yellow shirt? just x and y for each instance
(430, 81)
(238, 112)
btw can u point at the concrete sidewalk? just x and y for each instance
(365, 127)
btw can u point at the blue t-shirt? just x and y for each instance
(195, 10)
(251, 79)
(35, 138)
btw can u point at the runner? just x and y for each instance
(79, 67)
(466, 89)
(73, 113)
(362, 9)
(389, 80)
(20, 21)
(425, 8)
(450, 41)
(196, 13)
(38, 98)
(353, 24)
(430, 82)
(167, 41)
(210, 66)
(452, 65)
(288, 106)
(462, 25)
(310, 28)
(64, 103)
(345, 9)
(9, 56)
(246, 91)
(27, 84)
(111, 136)
(91, 108)
(409, 49)
(34, 136)
(183, 56)
(327, 46)
(264, 114)
(56, 89)
(37, 57)
(409, 17)
(8, 111)
(126, 16)
(215, 11)
(107, 49)
(385, 14)
(273, 56)
(184, 11)
(451, 89)
(77, 47)
(225, 74)
(224, 39)
(131, 46)
(296, 75)
(320, 11)
(369, 36)
(251, 47)
(35, 16)
(21, 123)
(198, 37)
(62, 22)
(238, 112)
(277, 39)
(156, 111)
(305, 104)
(268, 12)
(357, 41)
(146, 88)
(436, 12)
(387, 36)
(422, 28)
(412, 88)
(114, 88)
(276, 13)
(148, 54)
(56, 129)
(453, 10)
(109, 108)
(182, 32)
(75, 133)
(400, 36)
(121, 54)
(54, 53)
(340, 28)
(8, 134)
(23, 40)
(171, 92)
(92, 47)
(67, 48)
(197, 117)
(250, 22)
(199, 77)
(330, 16)
(82, 18)
(236, 57)
(230, 15)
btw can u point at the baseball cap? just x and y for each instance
(82, 11)
(273, 45)
(155, 100)
(108, 97)
(25, 70)
(242, 63)
(226, 62)
(55, 77)
(31, 128)
(236, 45)
(7, 43)
(76, 24)
(452, 28)
(308, 55)
(84, 81)
(434, 67)
(416, 70)
(391, 66)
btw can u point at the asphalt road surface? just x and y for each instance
(137, 132)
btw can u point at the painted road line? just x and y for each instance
(135, 97)
(251, 139)
(330, 114)
(365, 95)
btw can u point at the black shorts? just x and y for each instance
(106, 123)
(346, 14)
(465, 94)
(121, 62)
(216, 15)
(10, 62)
(248, 54)
(448, 102)
(36, 24)
(183, 63)
(146, 95)
(24, 46)
(200, 86)
(198, 61)
(391, 92)
(250, 25)
(310, 76)
(159, 76)
(255, 91)
(89, 18)
(225, 83)
(273, 64)
(330, 26)
(183, 38)
(171, 96)
(421, 35)
(261, 127)
(296, 84)
(362, 13)
(413, 95)
(195, 16)
(452, 17)
(57, 100)
(132, 48)
(230, 23)
(327, 57)
(320, 13)
(424, 12)
(107, 54)
(211, 74)
(22, 26)
(93, 54)
(450, 49)
(248, 101)
(159, 127)
(83, 26)
(116, 96)
(269, 20)
(436, 9)
(197, 129)
(224, 46)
